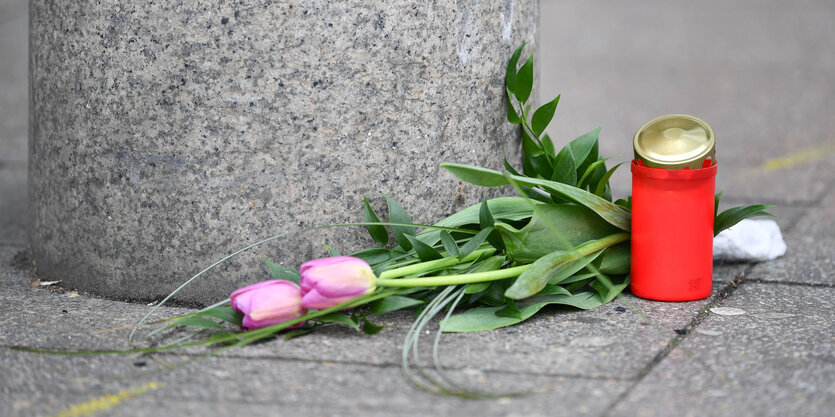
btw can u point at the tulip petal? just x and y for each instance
(337, 280)
(267, 303)
(316, 301)
(330, 281)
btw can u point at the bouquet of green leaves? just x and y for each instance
(562, 240)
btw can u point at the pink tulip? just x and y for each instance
(327, 282)
(268, 302)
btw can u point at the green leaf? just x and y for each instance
(485, 318)
(424, 251)
(535, 161)
(543, 115)
(225, 313)
(223, 334)
(584, 149)
(393, 303)
(530, 147)
(615, 215)
(512, 116)
(510, 310)
(490, 264)
(564, 169)
(716, 203)
(732, 216)
(398, 214)
(449, 243)
(528, 167)
(550, 269)
(509, 168)
(606, 289)
(502, 208)
(378, 232)
(583, 275)
(524, 81)
(591, 168)
(547, 145)
(510, 73)
(476, 287)
(196, 322)
(531, 152)
(373, 256)
(554, 289)
(331, 250)
(604, 182)
(625, 202)
(576, 224)
(370, 328)
(340, 318)
(476, 175)
(595, 178)
(485, 219)
(294, 333)
(474, 242)
(278, 272)
(616, 259)
(494, 295)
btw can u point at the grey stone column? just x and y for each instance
(166, 134)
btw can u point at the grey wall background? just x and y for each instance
(14, 23)
(760, 72)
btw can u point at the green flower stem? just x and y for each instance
(585, 249)
(453, 279)
(592, 246)
(431, 265)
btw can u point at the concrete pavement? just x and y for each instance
(759, 72)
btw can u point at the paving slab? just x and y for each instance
(43, 318)
(613, 341)
(774, 360)
(287, 387)
(629, 331)
(811, 247)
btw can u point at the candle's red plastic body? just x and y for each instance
(672, 232)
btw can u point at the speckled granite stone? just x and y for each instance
(165, 135)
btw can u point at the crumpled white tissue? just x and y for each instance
(750, 240)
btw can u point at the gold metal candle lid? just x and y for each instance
(674, 141)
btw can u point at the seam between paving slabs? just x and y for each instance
(792, 283)
(397, 365)
(675, 342)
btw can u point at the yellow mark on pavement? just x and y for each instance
(106, 401)
(795, 158)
